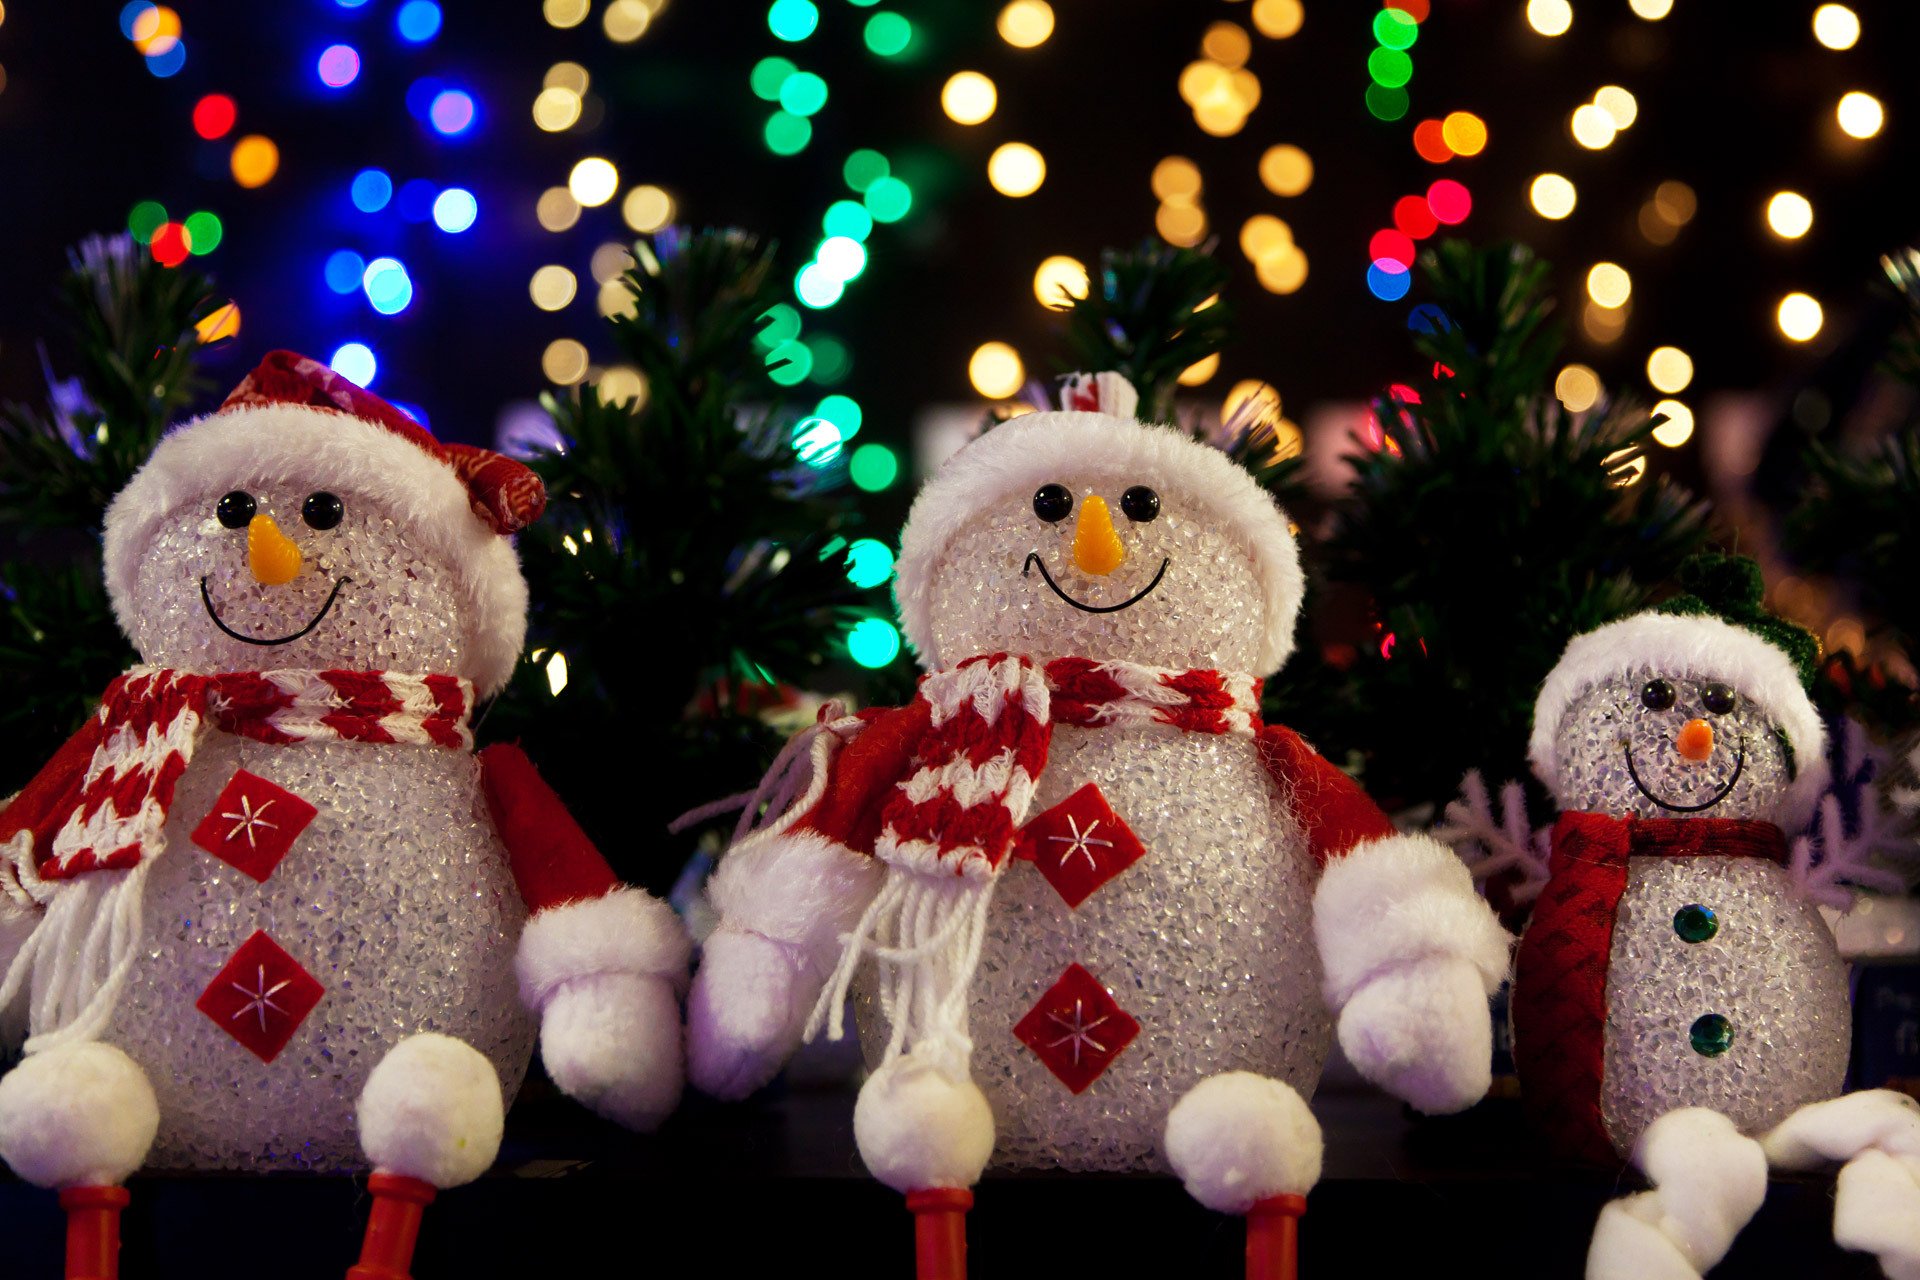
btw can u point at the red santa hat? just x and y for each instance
(1097, 431)
(295, 422)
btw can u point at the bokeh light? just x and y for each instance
(1651, 10)
(454, 210)
(1799, 317)
(995, 370)
(622, 384)
(344, 270)
(564, 362)
(888, 34)
(1621, 107)
(254, 161)
(1201, 372)
(873, 468)
(371, 189)
(418, 21)
(339, 66)
(1414, 216)
(1836, 26)
(888, 199)
(1789, 215)
(388, 286)
(355, 362)
(1058, 280)
(646, 209)
(803, 93)
(1016, 169)
(1176, 178)
(1430, 142)
(1465, 132)
(552, 287)
(214, 116)
(557, 107)
(1025, 24)
(863, 168)
(873, 642)
(968, 97)
(1553, 196)
(1669, 369)
(626, 21)
(593, 181)
(1389, 281)
(1593, 126)
(843, 412)
(144, 219)
(1285, 170)
(218, 325)
(816, 442)
(787, 134)
(1678, 427)
(556, 209)
(792, 20)
(1277, 19)
(171, 244)
(1450, 201)
(1860, 114)
(1549, 17)
(768, 75)
(818, 287)
(1577, 387)
(1609, 285)
(565, 13)
(845, 218)
(451, 113)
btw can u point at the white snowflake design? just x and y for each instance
(249, 818)
(260, 999)
(1079, 1032)
(1078, 843)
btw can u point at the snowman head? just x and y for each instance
(1087, 533)
(1697, 709)
(307, 523)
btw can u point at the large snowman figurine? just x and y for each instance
(272, 859)
(1092, 882)
(1675, 997)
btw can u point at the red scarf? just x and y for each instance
(1560, 974)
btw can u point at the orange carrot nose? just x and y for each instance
(271, 554)
(1695, 740)
(1096, 547)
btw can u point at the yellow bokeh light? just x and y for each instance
(1678, 428)
(1283, 272)
(1609, 285)
(156, 30)
(254, 161)
(1277, 19)
(1220, 121)
(1577, 387)
(995, 370)
(556, 209)
(1618, 103)
(1058, 280)
(564, 361)
(217, 326)
(593, 181)
(1016, 169)
(1264, 236)
(1553, 196)
(623, 384)
(1180, 223)
(1228, 44)
(1262, 400)
(552, 288)
(1464, 132)
(968, 97)
(647, 209)
(609, 262)
(566, 13)
(1799, 317)
(1176, 178)
(1836, 26)
(556, 109)
(1789, 215)
(1675, 202)
(1603, 324)
(1860, 115)
(626, 21)
(1593, 126)
(1286, 170)
(1651, 10)
(1195, 375)
(1203, 83)
(1025, 24)
(615, 299)
(566, 75)
(1549, 17)
(1669, 369)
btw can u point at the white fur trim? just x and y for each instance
(612, 1042)
(1423, 1031)
(919, 1128)
(1398, 900)
(796, 887)
(1876, 1209)
(1695, 647)
(81, 1115)
(1018, 457)
(625, 931)
(1839, 1129)
(301, 447)
(1237, 1138)
(432, 1110)
(1709, 1180)
(749, 1003)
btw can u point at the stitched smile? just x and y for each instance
(1739, 763)
(206, 598)
(1033, 558)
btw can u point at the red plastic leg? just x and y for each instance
(93, 1231)
(392, 1227)
(1273, 1234)
(940, 1232)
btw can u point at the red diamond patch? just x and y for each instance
(261, 997)
(252, 824)
(1079, 844)
(1077, 1029)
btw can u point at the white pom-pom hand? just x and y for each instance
(81, 1115)
(1708, 1181)
(1239, 1138)
(1423, 1031)
(750, 1002)
(612, 1041)
(918, 1127)
(432, 1110)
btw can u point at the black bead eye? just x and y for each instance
(1717, 698)
(1052, 502)
(1658, 695)
(322, 510)
(1140, 503)
(236, 510)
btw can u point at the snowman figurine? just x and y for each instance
(1077, 881)
(1675, 996)
(272, 859)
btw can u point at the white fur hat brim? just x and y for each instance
(1692, 646)
(1018, 457)
(295, 445)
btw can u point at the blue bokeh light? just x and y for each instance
(372, 188)
(344, 270)
(1387, 284)
(418, 21)
(354, 361)
(454, 210)
(339, 66)
(169, 63)
(452, 112)
(389, 287)
(131, 14)
(1428, 318)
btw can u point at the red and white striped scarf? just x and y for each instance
(947, 832)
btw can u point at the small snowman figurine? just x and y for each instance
(1111, 914)
(272, 859)
(1675, 996)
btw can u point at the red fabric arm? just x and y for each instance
(45, 803)
(553, 861)
(1329, 806)
(864, 774)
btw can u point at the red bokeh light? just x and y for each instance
(1431, 143)
(1450, 202)
(170, 244)
(1415, 9)
(1414, 217)
(1391, 246)
(214, 115)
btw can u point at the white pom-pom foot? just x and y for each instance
(1423, 1032)
(81, 1115)
(612, 1040)
(432, 1110)
(750, 1001)
(1708, 1181)
(1238, 1138)
(918, 1127)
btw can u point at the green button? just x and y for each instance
(1712, 1035)
(1695, 923)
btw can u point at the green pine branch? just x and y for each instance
(1157, 312)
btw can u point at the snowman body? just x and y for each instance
(1206, 942)
(396, 898)
(1703, 938)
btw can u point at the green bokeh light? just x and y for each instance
(817, 287)
(869, 562)
(889, 34)
(1385, 103)
(843, 412)
(792, 19)
(1389, 67)
(803, 93)
(888, 199)
(146, 218)
(864, 168)
(845, 218)
(873, 642)
(768, 75)
(788, 134)
(873, 468)
(799, 363)
(816, 442)
(778, 323)
(831, 363)
(204, 232)
(1395, 28)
